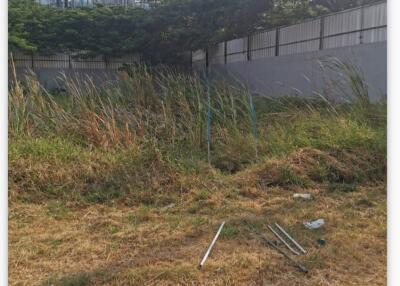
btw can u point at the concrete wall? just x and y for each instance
(301, 74)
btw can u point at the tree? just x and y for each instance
(179, 26)
(101, 31)
(161, 34)
(338, 5)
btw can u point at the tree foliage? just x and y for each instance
(101, 31)
(161, 34)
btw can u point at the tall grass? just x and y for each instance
(166, 106)
(168, 111)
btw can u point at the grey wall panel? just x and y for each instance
(300, 32)
(372, 36)
(216, 54)
(342, 40)
(263, 40)
(302, 75)
(263, 44)
(236, 46)
(269, 52)
(299, 48)
(198, 55)
(199, 66)
(217, 59)
(375, 15)
(342, 22)
(240, 57)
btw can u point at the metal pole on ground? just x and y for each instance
(211, 245)
(291, 238)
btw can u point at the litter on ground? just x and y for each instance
(314, 224)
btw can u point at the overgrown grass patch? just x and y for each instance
(113, 186)
(144, 137)
(81, 279)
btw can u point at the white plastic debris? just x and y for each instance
(170, 206)
(303, 196)
(314, 224)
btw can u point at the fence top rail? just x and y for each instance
(311, 19)
(73, 56)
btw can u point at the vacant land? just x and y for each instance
(111, 185)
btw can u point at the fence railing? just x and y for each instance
(366, 24)
(68, 61)
(93, 3)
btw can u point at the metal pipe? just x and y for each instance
(284, 242)
(211, 245)
(301, 267)
(291, 239)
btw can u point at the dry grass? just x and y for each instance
(111, 186)
(53, 243)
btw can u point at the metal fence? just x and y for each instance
(361, 25)
(68, 61)
(93, 3)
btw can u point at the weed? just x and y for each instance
(139, 143)
(81, 279)
(342, 187)
(365, 202)
(229, 232)
(140, 216)
(57, 210)
(198, 221)
(140, 134)
(202, 195)
(106, 192)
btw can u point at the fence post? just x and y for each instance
(69, 61)
(253, 118)
(207, 63)
(32, 61)
(277, 42)
(321, 33)
(191, 59)
(208, 118)
(208, 131)
(362, 22)
(105, 61)
(248, 48)
(225, 52)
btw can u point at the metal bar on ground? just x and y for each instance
(270, 243)
(211, 245)
(291, 239)
(284, 242)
